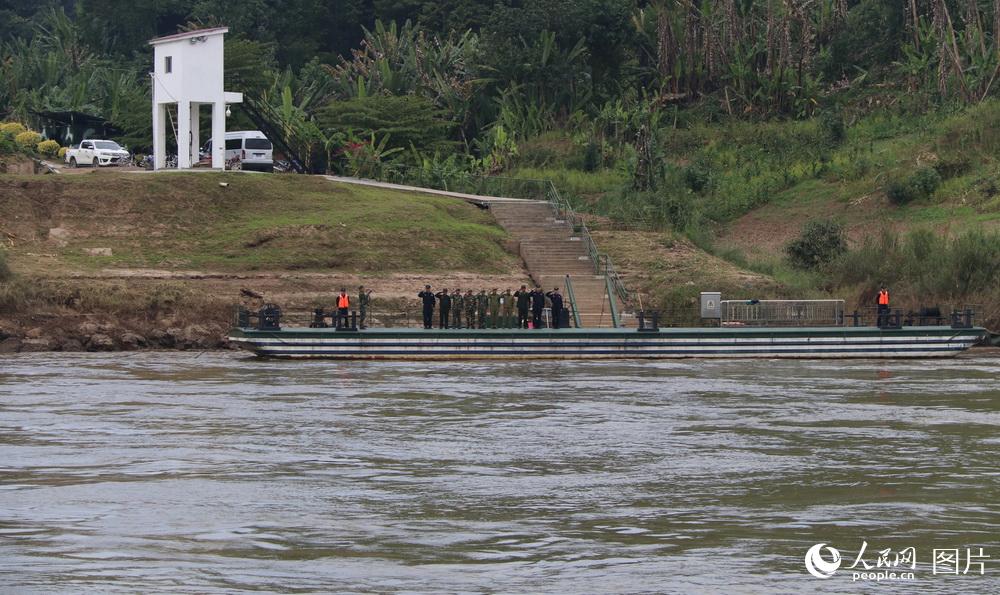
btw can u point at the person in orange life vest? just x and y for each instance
(343, 305)
(883, 306)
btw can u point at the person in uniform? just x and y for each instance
(445, 301)
(470, 309)
(537, 305)
(482, 305)
(364, 300)
(457, 305)
(428, 298)
(883, 307)
(494, 305)
(557, 306)
(523, 297)
(343, 307)
(507, 308)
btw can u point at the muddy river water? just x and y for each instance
(179, 472)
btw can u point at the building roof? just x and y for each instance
(189, 35)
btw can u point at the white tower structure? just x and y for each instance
(188, 71)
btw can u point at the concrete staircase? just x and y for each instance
(551, 251)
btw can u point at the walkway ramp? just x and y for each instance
(549, 247)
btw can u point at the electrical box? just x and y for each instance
(711, 304)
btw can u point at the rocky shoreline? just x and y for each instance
(73, 336)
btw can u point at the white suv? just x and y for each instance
(246, 149)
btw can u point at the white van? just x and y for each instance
(246, 149)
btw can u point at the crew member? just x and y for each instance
(428, 298)
(883, 306)
(537, 305)
(457, 305)
(445, 301)
(343, 306)
(364, 300)
(523, 297)
(557, 306)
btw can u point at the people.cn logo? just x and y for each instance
(819, 567)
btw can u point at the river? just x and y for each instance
(180, 472)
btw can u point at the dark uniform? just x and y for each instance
(445, 300)
(457, 306)
(470, 309)
(557, 306)
(428, 298)
(537, 305)
(523, 297)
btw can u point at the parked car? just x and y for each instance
(246, 149)
(96, 153)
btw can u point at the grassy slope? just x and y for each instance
(256, 222)
(850, 188)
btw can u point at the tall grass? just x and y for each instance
(955, 267)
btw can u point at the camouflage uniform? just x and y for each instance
(482, 305)
(457, 305)
(470, 309)
(364, 300)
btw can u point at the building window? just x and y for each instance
(168, 64)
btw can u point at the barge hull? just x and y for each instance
(585, 344)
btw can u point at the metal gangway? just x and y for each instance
(782, 312)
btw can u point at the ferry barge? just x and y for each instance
(267, 338)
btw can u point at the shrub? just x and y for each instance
(48, 148)
(12, 129)
(698, 175)
(28, 140)
(820, 243)
(832, 126)
(61, 152)
(919, 185)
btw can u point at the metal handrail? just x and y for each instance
(603, 265)
(572, 302)
(615, 321)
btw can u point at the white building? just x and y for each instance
(188, 72)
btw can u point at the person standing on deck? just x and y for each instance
(523, 297)
(507, 309)
(364, 300)
(883, 307)
(343, 307)
(494, 305)
(482, 304)
(445, 300)
(457, 305)
(428, 299)
(537, 305)
(557, 306)
(470, 309)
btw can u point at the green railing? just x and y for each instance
(615, 321)
(603, 265)
(572, 303)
